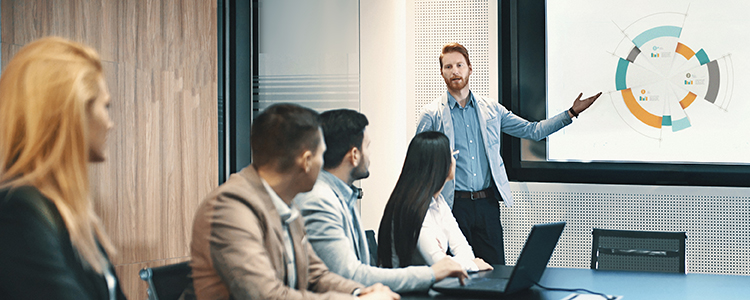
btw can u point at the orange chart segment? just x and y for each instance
(685, 51)
(638, 111)
(689, 98)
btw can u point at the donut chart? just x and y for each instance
(659, 78)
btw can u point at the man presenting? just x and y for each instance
(332, 221)
(474, 125)
(248, 240)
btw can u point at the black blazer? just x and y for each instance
(37, 258)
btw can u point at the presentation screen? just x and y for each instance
(672, 76)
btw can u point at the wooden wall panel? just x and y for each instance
(160, 65)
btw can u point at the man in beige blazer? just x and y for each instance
(248, 241)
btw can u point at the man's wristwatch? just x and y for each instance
(573, 112)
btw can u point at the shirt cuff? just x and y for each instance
(468, 265)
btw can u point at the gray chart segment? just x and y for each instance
(633, 54)
(713, 81)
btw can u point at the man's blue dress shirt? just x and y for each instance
(472, 167)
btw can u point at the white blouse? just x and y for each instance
(440, 232)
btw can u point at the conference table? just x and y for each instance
(629, 284)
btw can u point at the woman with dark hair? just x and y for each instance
(418, 226)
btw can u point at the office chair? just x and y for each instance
(167, 282)
(627, 250)
(372, 245)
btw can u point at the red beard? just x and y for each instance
(457, 85)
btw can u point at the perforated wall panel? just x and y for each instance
(438, 22)
(716, 220)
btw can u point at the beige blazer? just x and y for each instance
(238, 250)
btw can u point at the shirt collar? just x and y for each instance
(339, 187)
(452, 103)
(287, 213)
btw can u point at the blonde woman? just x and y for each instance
(53, 122)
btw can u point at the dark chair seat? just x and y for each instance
(167, 282)
(372, 245)
(627, 250)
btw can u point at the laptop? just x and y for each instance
(505, 280)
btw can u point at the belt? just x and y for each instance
(485, 193)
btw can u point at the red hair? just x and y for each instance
(454, 47)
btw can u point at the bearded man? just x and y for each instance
(474, 124)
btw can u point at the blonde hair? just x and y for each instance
(44, 94)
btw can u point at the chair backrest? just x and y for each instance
(372, 245)
(167, 282)
(627, 250)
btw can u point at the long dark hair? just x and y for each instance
(426, 167)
